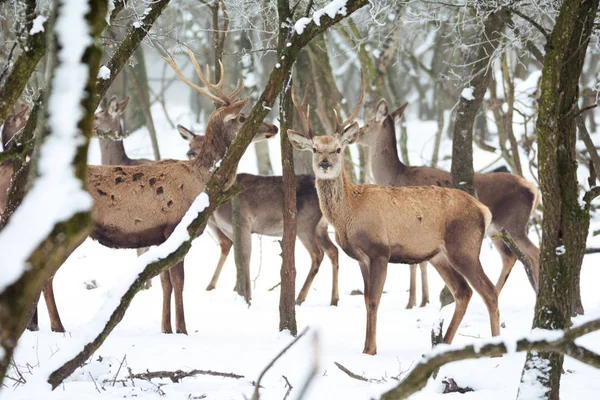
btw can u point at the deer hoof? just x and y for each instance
(299, 302)
(58, 329)
(424, 303)
(33, 327)
(334, 302)
(167, 331)
(410, 305)
(210, 287)
(370, 351)
(182, 331)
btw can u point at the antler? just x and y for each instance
(339, 128)
(305, 117)
(218, 94)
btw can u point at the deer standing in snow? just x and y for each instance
(510, 198)
(261, 212)
(376, 225)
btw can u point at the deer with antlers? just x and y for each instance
(261, 212)
(376, 225)
(510, 198)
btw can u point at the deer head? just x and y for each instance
(370, 132)
(229, 118)
(327, 149)
(109, 120)
(14, 124)
(195, 141)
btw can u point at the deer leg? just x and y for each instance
(139, 252)
(533, 253)
(225, 243)
(424, 285)
(377, 275)
(469, 266)
(55, 322)
(309, 241)
(412, 296)
(167, 289)
(177, 275)
(332, 252)
(33, 324)
(508, 262)
(460, 289)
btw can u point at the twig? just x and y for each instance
(256, 395)
(592, 250)
(350, 373)
(93, 380)
(176, 376)
(314, 368)
(119, 370)
(587, 140)
(289, 386)
(527, 18)
(274, 287)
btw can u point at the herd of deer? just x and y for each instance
(411, 216)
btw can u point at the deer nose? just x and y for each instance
(325, 164)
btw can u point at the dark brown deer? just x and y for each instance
(376, 225)
(261, 211)
(510, 198)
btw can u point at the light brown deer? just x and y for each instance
(139, 206)
(112, 152)
(510, 198)
(376, 225)
(261, 212)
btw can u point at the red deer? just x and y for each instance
(510, 198)
(261, 211)
(376, 225)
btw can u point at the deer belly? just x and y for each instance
(116, 237)
(402, 254)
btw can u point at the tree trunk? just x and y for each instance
(565, 224)
(462, 143)
(16, 299)
(287, 304)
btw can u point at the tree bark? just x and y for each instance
(16, 300)
(565, 224)
(481, 73)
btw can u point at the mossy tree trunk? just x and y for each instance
(16, 299)
(565, 224)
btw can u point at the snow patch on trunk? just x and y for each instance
(332, 9)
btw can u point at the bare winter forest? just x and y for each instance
(440, 156)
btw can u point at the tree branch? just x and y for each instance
(417, 378)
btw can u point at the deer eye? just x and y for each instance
(339, 150)
(242, 118)
(314, 150)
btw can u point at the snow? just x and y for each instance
(104, 72)
(109, 10)
(467, 93)
(38, 25)
(39, 212)
(332, 9)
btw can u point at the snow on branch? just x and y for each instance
(539, 340)
(56, 194)
(332, 9)
(115, 297)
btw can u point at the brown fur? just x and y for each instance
(261, 211)
(510, 198)
(376, 225)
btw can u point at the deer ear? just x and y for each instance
(382, 111)
(299, 141)
(233, 110)
(113, 106)
(397, 114)
(122, 105)
(350, 134)
(186, 133)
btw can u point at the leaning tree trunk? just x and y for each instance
(565, 224)
(52, 251)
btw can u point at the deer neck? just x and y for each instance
(333, 197)
(113, 152)
(385, 162)
(214, 147)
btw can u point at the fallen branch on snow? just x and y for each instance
(175, 376)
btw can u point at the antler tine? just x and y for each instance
(339, 128)
(185, 80)
(305, 117)
(238, 89)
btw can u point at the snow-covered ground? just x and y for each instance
(227, 336)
